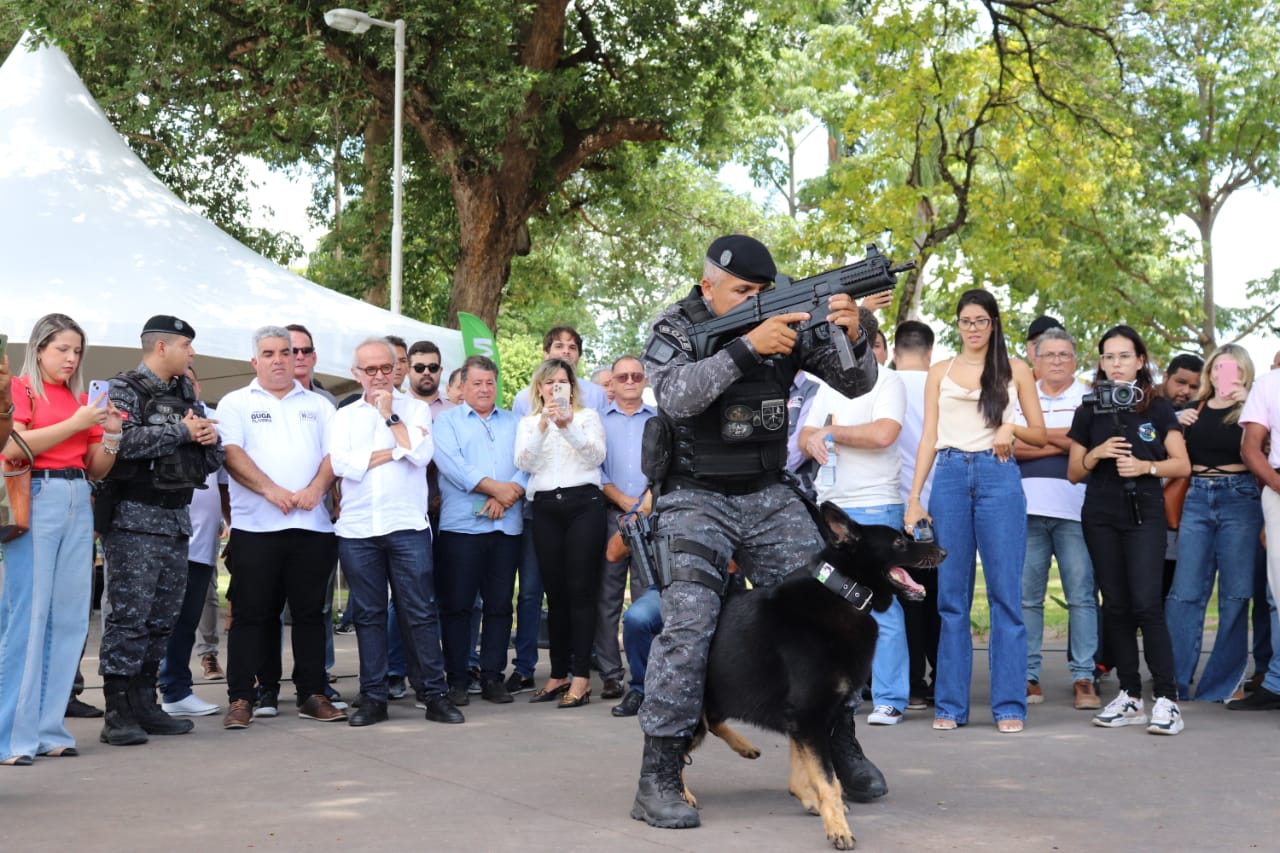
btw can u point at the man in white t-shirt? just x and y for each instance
(282, 544)
(1053, 522)
(865, 431)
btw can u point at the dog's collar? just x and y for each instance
(856, 594)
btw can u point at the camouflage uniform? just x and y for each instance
(768, 532)
(146, 546)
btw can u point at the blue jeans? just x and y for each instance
(401, 559)
(640, 624)
(1221, 519)
(528, 605)
(978, 508)
(1046, 538)
(175, 669)
(890, 668)
(471, 563)
(44, 617)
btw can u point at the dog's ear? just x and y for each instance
(840, 528)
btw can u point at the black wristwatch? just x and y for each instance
(393, 420)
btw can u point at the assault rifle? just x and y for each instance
(873, 274)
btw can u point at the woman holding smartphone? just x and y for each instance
(48, 578)
(1221, 519)
(561, 445)
(978, 508)
(1123, 448)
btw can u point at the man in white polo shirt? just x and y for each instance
(282, 544)
(380, 446)
(1053, 522)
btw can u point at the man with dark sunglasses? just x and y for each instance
(425, 372)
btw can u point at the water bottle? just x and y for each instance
(827, 472)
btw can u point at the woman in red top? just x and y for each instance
(44, 606)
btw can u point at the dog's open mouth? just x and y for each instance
(906, 584)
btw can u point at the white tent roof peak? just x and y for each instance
(87, 230)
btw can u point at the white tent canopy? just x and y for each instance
(86, 230)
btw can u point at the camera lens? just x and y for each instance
(1123, 396)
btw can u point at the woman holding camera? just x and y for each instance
(561, 445)
(977, 505)
(1124, 439)
(48, 577)
(1221, 519)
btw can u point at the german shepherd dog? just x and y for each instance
(788, 658)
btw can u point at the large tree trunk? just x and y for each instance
(377, 134)
(492, 233)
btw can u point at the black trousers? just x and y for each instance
(1128, 563)
(270, 569)
(568, 535)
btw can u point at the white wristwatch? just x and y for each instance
(1153, 469)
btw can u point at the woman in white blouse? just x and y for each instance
(561, 445)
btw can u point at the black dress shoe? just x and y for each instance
(441, 710)
(630, 704)
(368, 711)
(459, 697)
(76, 708)
(612, 689)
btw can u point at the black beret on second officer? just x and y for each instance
(169, 325)
(743, 257)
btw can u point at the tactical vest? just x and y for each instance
(167, 480)
(739, 442)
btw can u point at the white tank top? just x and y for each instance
(960, 422)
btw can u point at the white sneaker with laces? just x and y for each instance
(884, 715)
(1124, 710)
(192, 706)
(1166, 718)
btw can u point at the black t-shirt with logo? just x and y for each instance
(1145, 432)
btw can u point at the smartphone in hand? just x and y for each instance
(1226, 376)
(560, 391)
(98, 389)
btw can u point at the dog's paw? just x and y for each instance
(842, 839)
(752, 752)
(690, 798)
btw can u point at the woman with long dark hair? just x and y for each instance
(978, 508)
(561, 444)
(1221, 520)
(1124, 446)
(48, 577)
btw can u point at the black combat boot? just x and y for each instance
(142, 698)
(860, 780)
(119, 728)
(660, 798)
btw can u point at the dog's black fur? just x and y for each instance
(788, 658)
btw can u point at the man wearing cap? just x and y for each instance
(1034, 331)
(723, 499)
(167, 450)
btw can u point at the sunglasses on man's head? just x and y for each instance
(419, 367)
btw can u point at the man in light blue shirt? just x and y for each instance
(480, 527)
(626, 488)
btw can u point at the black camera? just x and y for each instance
(1111, 396)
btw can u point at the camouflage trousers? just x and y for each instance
(146, 580)
(769, 533)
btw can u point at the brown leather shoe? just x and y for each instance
(212, 672)
(1086, 697)
(318, 707)
(1034, 694)
(239, 715)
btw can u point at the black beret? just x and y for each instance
(743, 257)
(165, 324)
(1040, 324)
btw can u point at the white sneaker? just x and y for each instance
(884, 715)
(1166, 719)
(192, 706)
(1124, 710)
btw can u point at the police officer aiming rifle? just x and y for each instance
(718, 471)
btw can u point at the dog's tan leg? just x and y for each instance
(799, 784)
(827, 789)
(735, 741)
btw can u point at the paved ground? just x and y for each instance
(537, 778)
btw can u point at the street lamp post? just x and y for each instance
(351, 21)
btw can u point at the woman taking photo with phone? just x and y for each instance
(1221, 520)
(977, 506)
(1124, 439)
(48, 574)
(561, 445)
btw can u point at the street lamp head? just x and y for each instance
(348, 21)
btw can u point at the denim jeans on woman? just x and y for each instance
(1061, 537)
(1221, 520)
(44, 617)
(978, 506)
(890, 668)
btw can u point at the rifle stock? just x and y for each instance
(872, 274)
